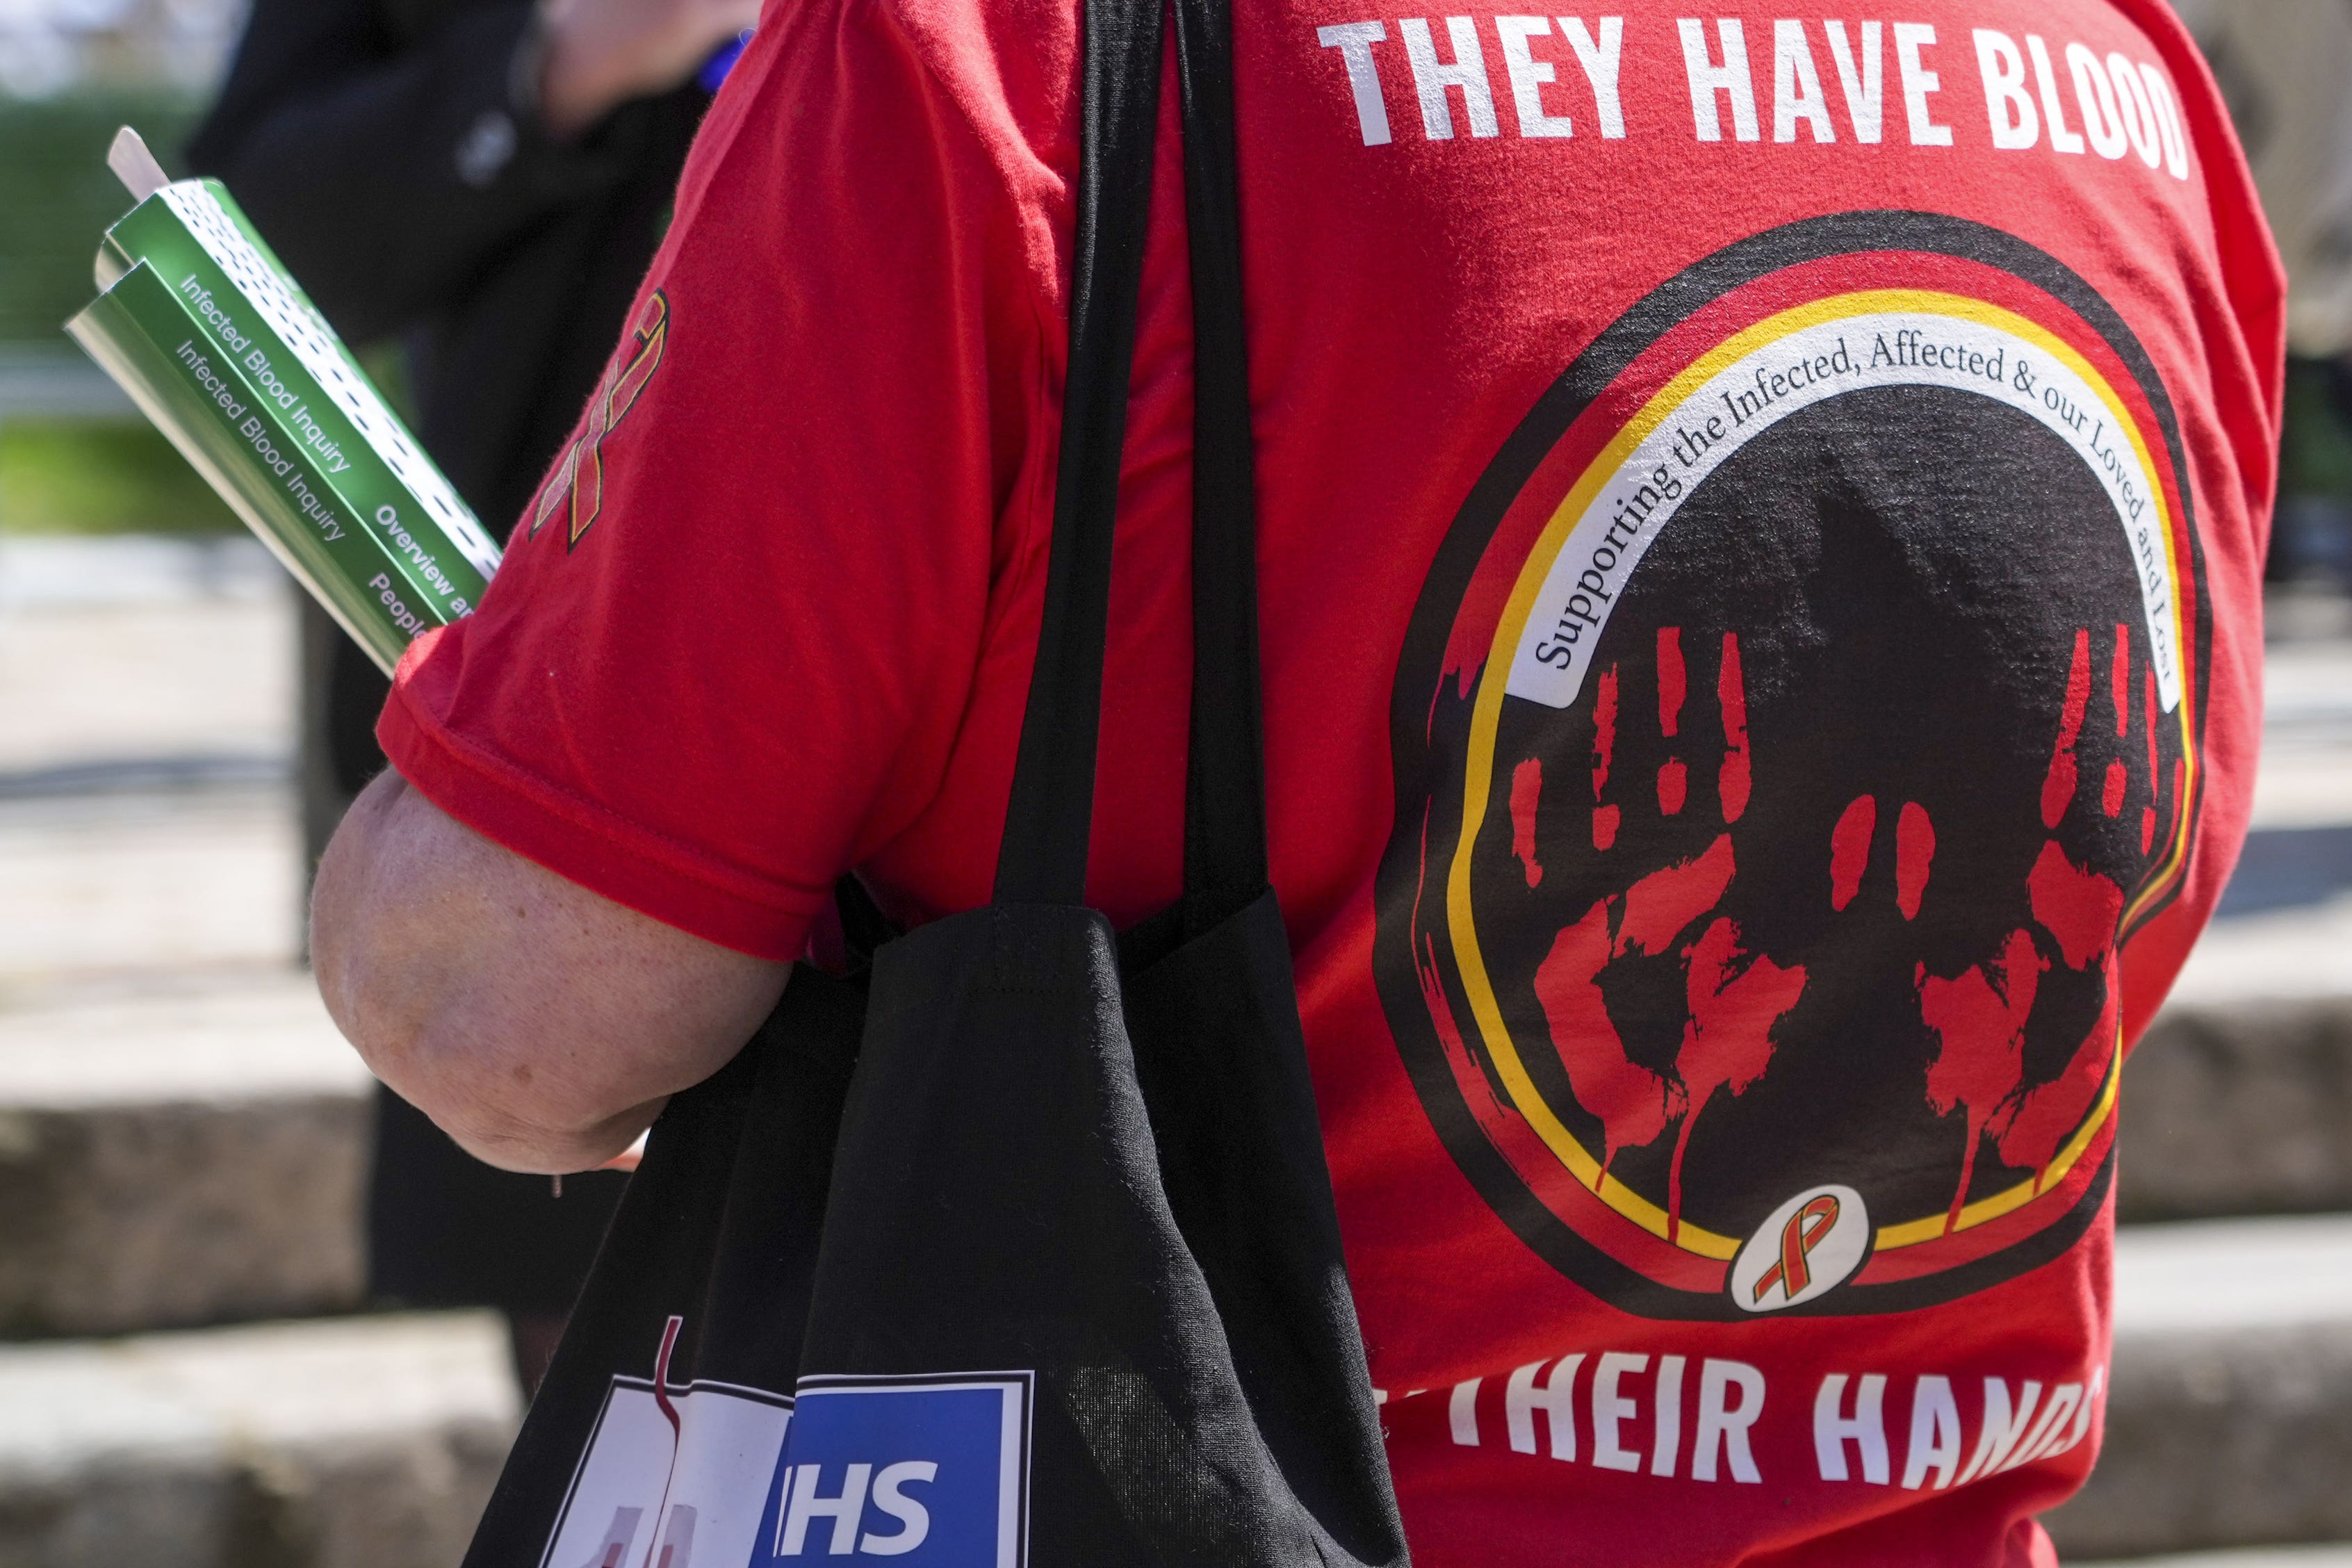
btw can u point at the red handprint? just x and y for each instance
(1656, 998)
(1732, 999)
(1979, 1016)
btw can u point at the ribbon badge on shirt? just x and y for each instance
(1799, 1236)
(1805, 1248)
(579, 474)
(1796, 724)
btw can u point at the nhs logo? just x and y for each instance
(931, 1472)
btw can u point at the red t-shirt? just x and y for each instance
(1761, 530)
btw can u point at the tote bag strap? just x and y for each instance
(1044, 858)
(1224, 795)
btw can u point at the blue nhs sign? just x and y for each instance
(930, 1472)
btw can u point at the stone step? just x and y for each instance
(194, 1153)
(189, 1157)
(2229, 1419)
(371, 1442)
(157, 648)
(2307, 726)
(2239, 1098)
(350, 1443)
(197, 1155)
(101, 884)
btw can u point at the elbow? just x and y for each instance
(495, 1084)
(500, 1089)
(495, 1067)
(511, 1105)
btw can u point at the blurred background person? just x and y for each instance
(2283, 65)
(483, 181)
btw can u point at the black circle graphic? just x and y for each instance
(1746, 982)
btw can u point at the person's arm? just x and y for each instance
(386, 172)
(541, 1025)
(731, 650)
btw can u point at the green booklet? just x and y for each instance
(217, 345)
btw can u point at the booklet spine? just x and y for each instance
(143, 335)
(434, 566)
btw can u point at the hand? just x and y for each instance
(603, 53)
(1980, 1016)
(1732, 998)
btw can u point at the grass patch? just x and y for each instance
(81, 476)
(59, 198)
(102, 477)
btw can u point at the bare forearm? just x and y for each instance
(539, 1024)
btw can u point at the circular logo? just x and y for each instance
(1805, 1248)
(1798, 717)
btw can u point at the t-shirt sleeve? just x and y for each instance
(729, 648)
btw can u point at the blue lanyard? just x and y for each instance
(722, 61)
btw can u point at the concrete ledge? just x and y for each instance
(357, 1443)
(2229, 1418)
(178, 1160)
(2239, 1107)
(2239, 1099)
(196, 1158)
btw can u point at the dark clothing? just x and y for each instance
(446, 1230)
(390, 152)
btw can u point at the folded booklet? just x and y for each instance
(218, 346)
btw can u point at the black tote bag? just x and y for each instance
(1017, 1246)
